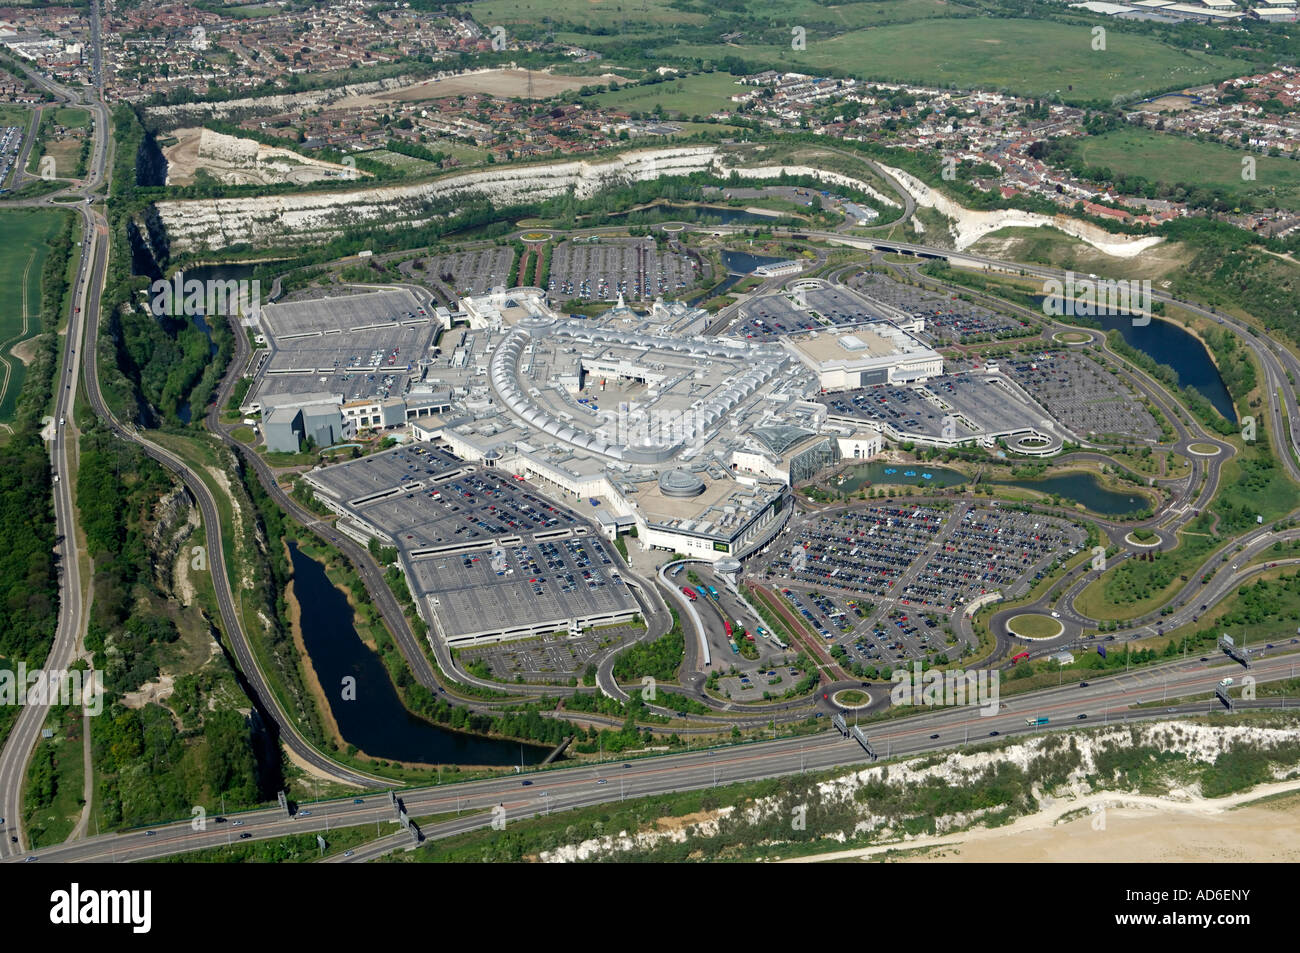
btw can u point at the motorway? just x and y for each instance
(84, 320)
(22, 740)
(1108, 701)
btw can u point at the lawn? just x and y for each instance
(1030, 625)
(72, 117)
(15, 116)
(688, 96)
(25, 237)
(990, 52)
(1160, 157)
(625, 15)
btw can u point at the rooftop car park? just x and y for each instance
(358, 346)
(904, 409)
(522, 591)
(951, 408)
(633, 268)
(769, 316)
(485, 556)
(947, 317)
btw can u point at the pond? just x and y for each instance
(1085, 488)
(376, 721)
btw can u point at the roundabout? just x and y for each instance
(1071, 337)
(1151, 543)
(1204, 449)
(1035, 627)
(852, 699)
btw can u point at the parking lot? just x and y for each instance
(962, 406)
(947, 317)
(883, 580)
(547, 658)
(903, 408)
(770, 316)
(11, 143)
(473, 272)
(363, 345)
(717, 605)
(632, 267)
(1081, 394)
(487, 554)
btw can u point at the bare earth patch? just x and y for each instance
(157, 690)
(499, 83)
(1133, 828)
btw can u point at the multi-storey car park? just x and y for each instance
(485, 557)
(946, 317)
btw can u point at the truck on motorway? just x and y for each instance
(1035, 722)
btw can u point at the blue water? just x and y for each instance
(1168, 343)
(376, 721)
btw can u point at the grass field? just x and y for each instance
(399, 161)
(584, 14)
(696, 95)
(15, 115)
(1159, 157)
(992, 53)
(72, 117)
(25, 237)
(1033, 626)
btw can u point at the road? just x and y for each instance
(84, 321)
(22, 740)
(1107, 701)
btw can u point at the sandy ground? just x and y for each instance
(499, 83)
(25, 351)
(1125, 828)
(152, 691)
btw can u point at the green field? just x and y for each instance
(1034, 626)
(1026, 57)
(584, 14)
(1159, 157)
(696, 95)
(72, 117)
(15, 116)
(399, 161)
(24, 235)
(579, 17)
